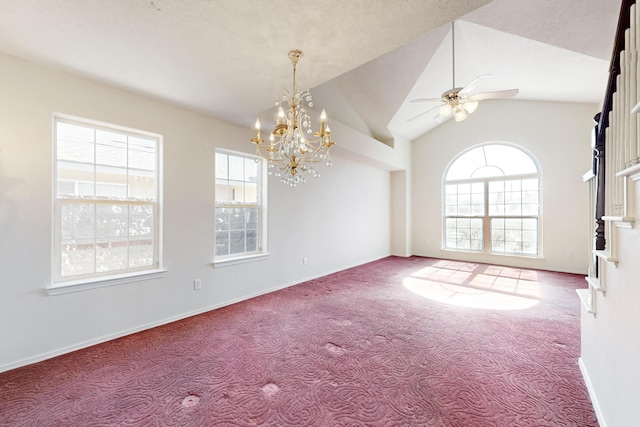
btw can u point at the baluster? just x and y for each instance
(623, 101)
(633, 87)
(634, 22)
(609, 156)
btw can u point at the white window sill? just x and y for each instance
(101, 282)
(239, 260)
(498, 254)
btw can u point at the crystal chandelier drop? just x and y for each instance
(294, 149)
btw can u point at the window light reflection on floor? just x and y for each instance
(476, 285)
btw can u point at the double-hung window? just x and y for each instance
(106, 201)
(492, 201)
(240, 206)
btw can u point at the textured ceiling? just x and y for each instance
(365, 59)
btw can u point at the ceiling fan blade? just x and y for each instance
(468, 88)
(427, 100)
(423, 113)
(492, 95)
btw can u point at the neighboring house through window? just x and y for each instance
(106, 201)
(492, 201)
(240, 206)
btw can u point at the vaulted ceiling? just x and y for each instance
(364, 59)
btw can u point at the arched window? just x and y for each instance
(492, 201)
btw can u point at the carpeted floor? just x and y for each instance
(397, 342)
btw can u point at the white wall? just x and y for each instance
(611, 340)
(338, 221)
(556, 134)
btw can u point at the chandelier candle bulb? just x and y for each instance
(323, 121)
(280, 116)
(290, 155)
(257, 140)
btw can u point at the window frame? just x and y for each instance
(260, 204)
(487, 218)
(63, 283)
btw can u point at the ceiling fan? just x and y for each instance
(460, 100)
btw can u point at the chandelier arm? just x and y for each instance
(266, 153)
(310, 157)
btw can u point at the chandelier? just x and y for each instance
(293, 148)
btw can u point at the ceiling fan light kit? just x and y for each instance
(459, 100)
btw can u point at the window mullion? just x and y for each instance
(486, 222)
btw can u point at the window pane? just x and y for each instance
(252, 218)
(477, 210)
(111, 182)
(110, 168)
(465, 164)
(252, 240)
(530, 209)
(250, 170)
(111, 148)
(222, 170)
(236, 242)
(250, 192)
(463, 233)
(141, 221)
(111, 254)
(111, 221)
(222, 243)
(74, 143)
(513, 185)
(143, 153)
(236, 191)
(77, 221)
(491, 160)
(65, 188)
(142, 185)
(512, 209)
(78, 178)
(140, 252)
(77, 257)
(508, 201)
(514, 235)
(222, 219)
(236, 168)
(465, 199)
(222, 190)
(236, 219)
(530, 184)
(511, 160)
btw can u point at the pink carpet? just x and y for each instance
(397, 342)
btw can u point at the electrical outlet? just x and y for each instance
(304, 261)
(570, 254)
(197, 284)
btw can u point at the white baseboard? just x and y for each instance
(100, 340)
(592, 394)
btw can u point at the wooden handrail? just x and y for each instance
(624, 22)
(614, 67)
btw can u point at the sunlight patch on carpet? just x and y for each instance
(467, 296)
